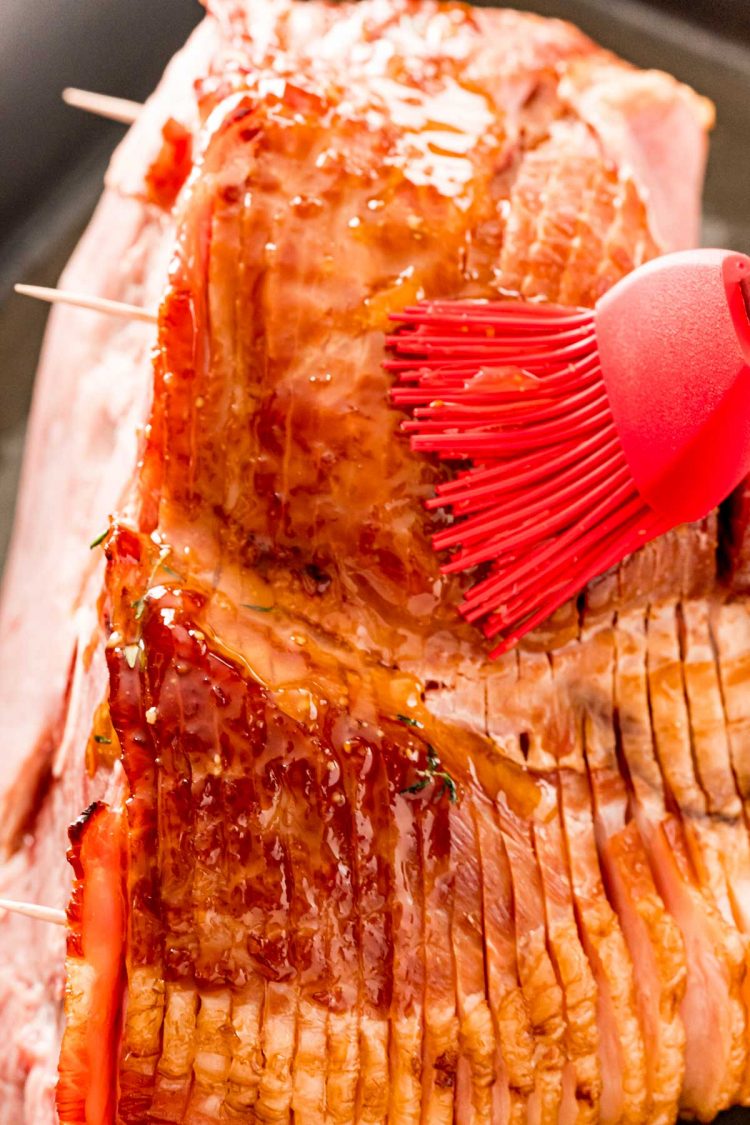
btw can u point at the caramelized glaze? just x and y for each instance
(363, 870)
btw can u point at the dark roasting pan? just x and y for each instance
(54, 157)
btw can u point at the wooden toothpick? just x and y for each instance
(116, 109)
(31, 910)
(82, 301)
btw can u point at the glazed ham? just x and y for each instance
(341, 867)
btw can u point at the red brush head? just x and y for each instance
(674, 346)
(581, 434)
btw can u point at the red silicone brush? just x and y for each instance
(583, 433)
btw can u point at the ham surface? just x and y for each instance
(352, 870)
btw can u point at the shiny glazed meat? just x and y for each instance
(369, 875)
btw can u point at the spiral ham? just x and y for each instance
(363, 873)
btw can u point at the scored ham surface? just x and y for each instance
(370, 876)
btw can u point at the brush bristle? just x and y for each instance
(545, 500)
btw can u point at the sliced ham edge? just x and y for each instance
(86, 1091)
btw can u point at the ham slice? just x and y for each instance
(368, 876)
(94, 968)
